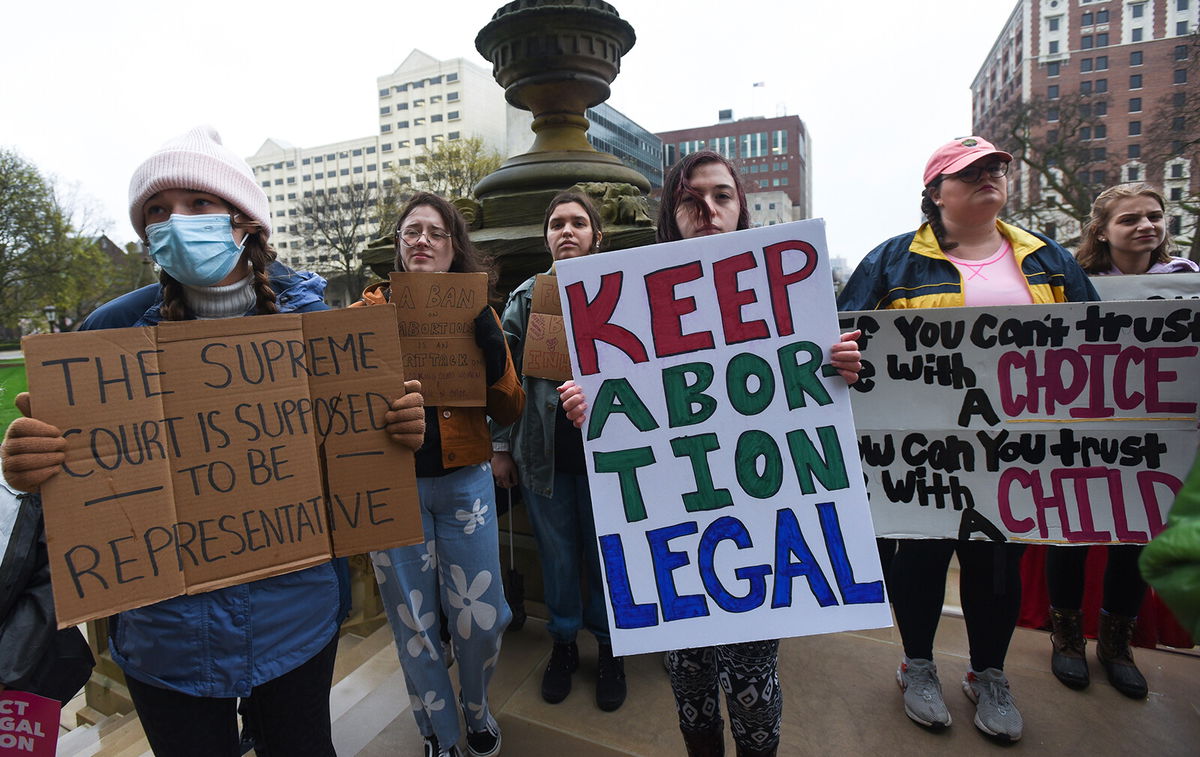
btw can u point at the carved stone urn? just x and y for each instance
(556, 58)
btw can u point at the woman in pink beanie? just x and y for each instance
(187, 660)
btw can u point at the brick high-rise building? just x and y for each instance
(771, 154)
(1117, 82)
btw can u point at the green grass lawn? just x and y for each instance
(12, 382)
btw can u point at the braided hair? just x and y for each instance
(934, 215)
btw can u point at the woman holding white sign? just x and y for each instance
(458, 566)
(1126, 234)
(962, 255)
(187, 660)
(702, 196)
(555, 485)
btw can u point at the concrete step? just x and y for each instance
(367, 695)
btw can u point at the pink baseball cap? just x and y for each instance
(957, 155)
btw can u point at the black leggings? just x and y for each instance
(1124, 588)
(291, 715)
(989, 586)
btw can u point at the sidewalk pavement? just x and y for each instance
(841, 698)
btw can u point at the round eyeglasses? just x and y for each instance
(972, 174)
(411, 236)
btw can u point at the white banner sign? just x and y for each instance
(725, 480)
(1149, 286)
(1071, 423)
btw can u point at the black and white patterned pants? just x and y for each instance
(748, 676)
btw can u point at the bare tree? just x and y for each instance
(1060, 144)
(453, 168)
(1173, 131)
(337, 223)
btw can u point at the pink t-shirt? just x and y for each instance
(995, 280)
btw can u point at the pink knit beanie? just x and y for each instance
(197, 160)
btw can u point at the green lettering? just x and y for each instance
(617, 396)
(830, 469)
(625, 463)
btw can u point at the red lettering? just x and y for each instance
(590, 323)
(667, 311)
(1010, 476)
(1095, 407)
(1121, 394)
(1155, 376)
(1009, 362)
(731, 299)
(1079, 478)
(1146, 481)
(1051, 379)
(778, 281)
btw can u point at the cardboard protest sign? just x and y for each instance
(204, 454)
(544, 351)
(28, 724)
(725, 481)
(1066, 424)
(247, 497)
(437, 333)
(1149, 286)
(355, 372)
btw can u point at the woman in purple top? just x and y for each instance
(1126, 234)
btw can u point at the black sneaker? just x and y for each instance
(433, 750)
(610, 680)
(485, 743)
(556, 681)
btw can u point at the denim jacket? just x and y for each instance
(223, 643)
(531, 438)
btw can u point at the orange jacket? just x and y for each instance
(466, 439)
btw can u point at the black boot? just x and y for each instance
(1067, 660)
(710, 743)
(610, 680)
(556, 681)
(1112, 648)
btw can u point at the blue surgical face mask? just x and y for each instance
(195, 250)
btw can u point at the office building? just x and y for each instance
(1116, 79)
(423, 102)
(771, 154)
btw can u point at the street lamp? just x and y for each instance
(51, 313)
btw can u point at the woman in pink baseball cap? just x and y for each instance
(962, 255)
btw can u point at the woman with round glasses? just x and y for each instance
(963, 255)
(458, 566)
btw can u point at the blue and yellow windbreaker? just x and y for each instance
(911, 271)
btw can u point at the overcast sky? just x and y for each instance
(88, 90)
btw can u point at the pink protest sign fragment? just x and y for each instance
(28, 724)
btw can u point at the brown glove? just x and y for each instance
(32, 451)
(406, 419)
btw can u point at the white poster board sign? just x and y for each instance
(725, 480)
(1148, 286)
(1064, 424)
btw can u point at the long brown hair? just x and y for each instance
(1095, 254)
(676, 187)
(258, 251)
(466, 258)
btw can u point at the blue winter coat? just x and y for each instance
(223, 643)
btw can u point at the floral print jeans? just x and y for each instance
(458, 566)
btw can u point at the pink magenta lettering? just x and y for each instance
(1078, 379)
